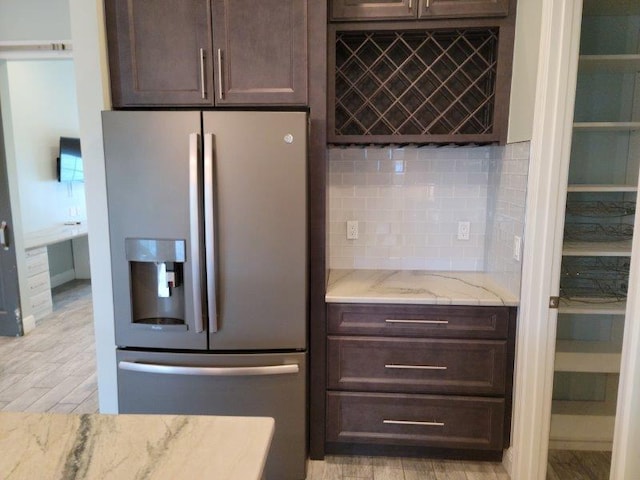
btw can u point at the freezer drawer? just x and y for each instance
(268, 385)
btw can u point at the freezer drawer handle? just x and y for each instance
(209, 371)
(410, 422)
(416, 367)
(427, 322)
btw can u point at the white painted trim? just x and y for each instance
(507, 461)
(62, 278)
(544, 219)
(92, 81)
(28, 324)
(625, 461)
(36, 50)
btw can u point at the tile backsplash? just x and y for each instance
(408, 202)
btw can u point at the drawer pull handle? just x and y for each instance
(427, 322)
(410, 422)
(416, 367)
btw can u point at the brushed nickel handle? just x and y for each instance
(203, 86)
(426, 322)
(411, 422)
(415, 367)
(209, 371)
(3, 237)
(426, 4)
(410, 4)
(220, 76)
(194, 231)
(209, 234)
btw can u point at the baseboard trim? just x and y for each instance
(507, 461)
(62, 278)
(28, 324)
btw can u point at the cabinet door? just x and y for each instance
(463, 8)
(160, 52)
(260, 52)
(372, 9)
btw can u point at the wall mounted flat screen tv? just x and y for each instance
(69, 165)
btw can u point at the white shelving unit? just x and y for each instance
(603, 168)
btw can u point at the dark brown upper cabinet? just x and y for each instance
(403, 82)
(412, 9)
(159, 51)
(165, 52)
(463, 8)
(372, 9)
(260, 52)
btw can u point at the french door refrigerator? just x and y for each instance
(207, 220)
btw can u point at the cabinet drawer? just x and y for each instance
(41, 301)
(42, 311)
(472, 367)
(416, 420)
(418, 320)
(39, 283)
(37, 261)
(34, 252)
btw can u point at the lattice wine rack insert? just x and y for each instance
(435, 82)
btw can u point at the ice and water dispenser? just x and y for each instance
(157, 288)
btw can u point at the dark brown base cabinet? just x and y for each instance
(207, 52)
(419, 380)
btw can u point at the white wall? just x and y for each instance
(34, 20)
(89, 52)
(408, 202)
(43, 107)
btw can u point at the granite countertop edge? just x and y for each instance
(417, 287)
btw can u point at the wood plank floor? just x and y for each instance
(387, 468)
(578, 465)
(52, 369)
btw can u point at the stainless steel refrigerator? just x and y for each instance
(207, 220)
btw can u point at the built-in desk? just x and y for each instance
(101, 447)
(37, 262)
(49, 236)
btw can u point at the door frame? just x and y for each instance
(10, 281)
(546, 192)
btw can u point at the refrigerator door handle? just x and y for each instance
(194, 227)
(210, 233)
(210, 371)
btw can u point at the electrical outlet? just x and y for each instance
(352, 229)
(73, 211)
(517, 248)
(463, 230)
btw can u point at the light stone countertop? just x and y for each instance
(52, 235)
(120, 447)
(416, 287)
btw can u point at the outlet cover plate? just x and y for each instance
(352, 230)
(463, 230)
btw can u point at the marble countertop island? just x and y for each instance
(71, 447)
(416, 287)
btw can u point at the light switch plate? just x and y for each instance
(517, 248)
